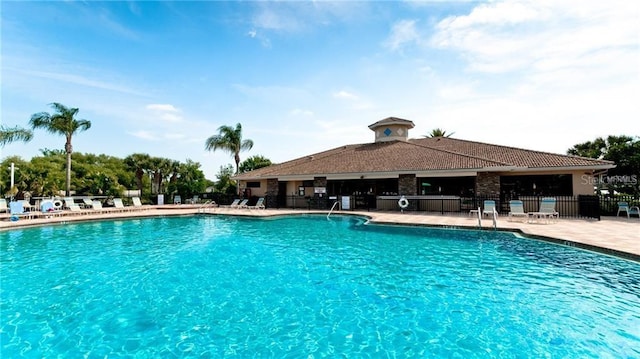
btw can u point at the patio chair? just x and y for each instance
(119, 205)
(624, 207)
(3, 205)
(547, 210)
(87, 203)
(259, 204)
(97, 206)
(17, 211)
(137, 203)
(243, 203)
(489, 208)
(48, 209)
(235, 203)
(68, 202)
(516, 209)
(75, 209)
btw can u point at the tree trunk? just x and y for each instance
(68, 184)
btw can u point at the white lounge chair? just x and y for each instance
(97, 206)
(516, 209)
(137, 204)
(87, 203)
(118, 206)
(546, 212)
(68, 202)
(243, 203)
(3, 205)
(489, 208)
(259, 204)
(75, 209)
(235, 203)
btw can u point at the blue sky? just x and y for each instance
(302, 77)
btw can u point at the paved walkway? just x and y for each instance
(615, 235)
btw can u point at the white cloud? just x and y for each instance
(165, 112)
(509, 36)
(403, 32)
(345, 95)
(145, 135)
(300, 112)
(82, 80)
(162, 107)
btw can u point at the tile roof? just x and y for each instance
(419, 155)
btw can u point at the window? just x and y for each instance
(253, 184)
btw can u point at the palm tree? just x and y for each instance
(139, 163)
(230, 140)
(438, 132)
(12, 134)
(63, 122)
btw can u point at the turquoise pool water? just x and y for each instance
(308, 287)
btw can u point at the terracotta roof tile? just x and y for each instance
(425, 154)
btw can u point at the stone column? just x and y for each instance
(408, 186)
(320, 202)
(487, 184)
(272, 193)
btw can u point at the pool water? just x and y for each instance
(308, 287)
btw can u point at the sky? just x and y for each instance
(302, 77)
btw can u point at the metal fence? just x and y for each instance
(582, 206)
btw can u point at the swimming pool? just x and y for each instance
(305, 286)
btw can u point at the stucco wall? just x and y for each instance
(582, 184)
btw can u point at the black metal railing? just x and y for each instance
(582, 206)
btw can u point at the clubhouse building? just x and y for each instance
(375, 175)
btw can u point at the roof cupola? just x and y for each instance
(392, 129)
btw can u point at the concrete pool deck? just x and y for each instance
(613, 235)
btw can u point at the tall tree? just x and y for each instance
(624, 151)
(254, 162)
(62, 122)
(12, 134)
(438, 132)
(229, 139)
(139, 163)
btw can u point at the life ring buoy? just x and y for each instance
(403, 202)
(57, 204)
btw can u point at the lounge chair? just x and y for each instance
(118, 205)
(489, 208)
(97, 206)
(87, 203)
(3, 205)
(235, 203)
(546, 212)
(516, 209)
(68, 202)
(624, 207)
(137, 204)
(17, 211)
(26, 206)
(243, 203)
(48, 208)
(75, 209)
(259, 204)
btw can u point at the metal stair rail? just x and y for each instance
(206, 206)
(336, 203)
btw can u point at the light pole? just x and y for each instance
(13, 170)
